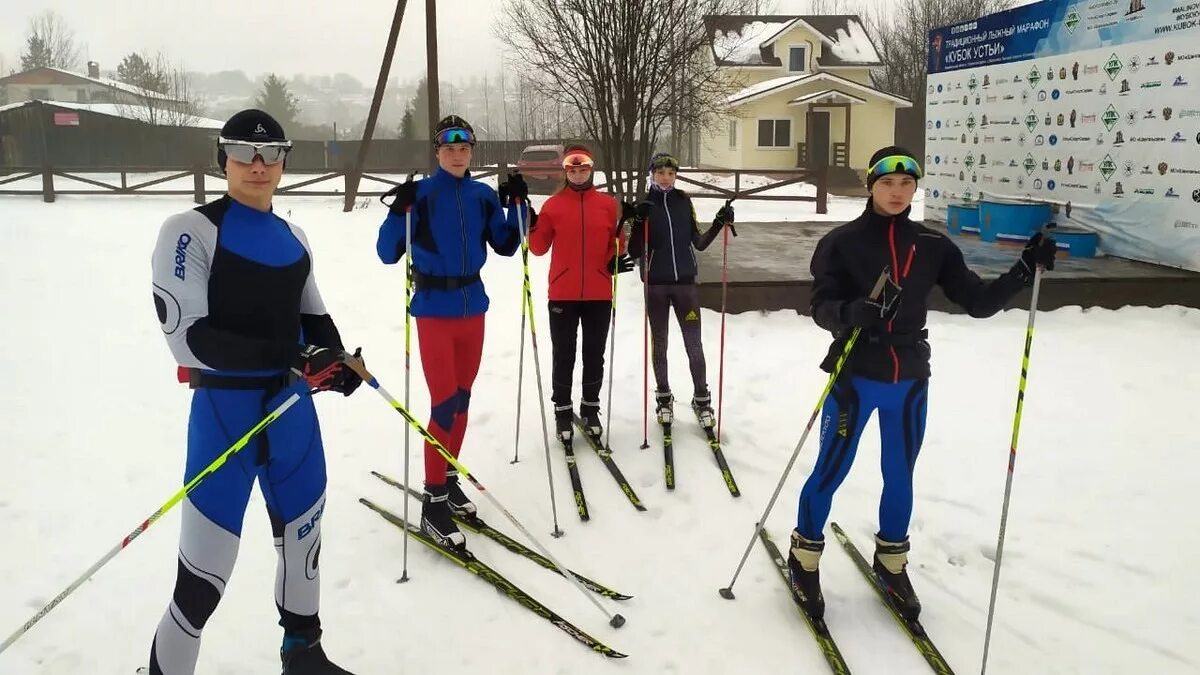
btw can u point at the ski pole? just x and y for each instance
(216, 464)
(724, 294)
(521, 359)
(537, 364)
(612, 337)
(727, 592)
(1012, 460)
(614, 620)
(645, 333)
(407, 361)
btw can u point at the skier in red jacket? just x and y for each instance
(582, 225)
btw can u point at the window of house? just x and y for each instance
(774, 133)
(798, 59)
(81, 96)
(39, 94)
(733, 134)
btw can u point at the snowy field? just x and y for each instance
(1101, 531)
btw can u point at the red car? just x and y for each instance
(541, 165)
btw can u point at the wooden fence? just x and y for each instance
(132, 181)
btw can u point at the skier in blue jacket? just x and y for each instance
(455, 218)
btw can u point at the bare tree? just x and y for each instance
(614, 61)
(163, 94)
(901, 35)
(50, 43)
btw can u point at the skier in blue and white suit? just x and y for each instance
(238, 303)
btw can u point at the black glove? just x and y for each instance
(405, 196)
(725, 217)
(350, 378)
(514, 187)
(621, 263)
(1039, 251)
(873, 312)
(627, 211)
(325, 369)
(642, 210)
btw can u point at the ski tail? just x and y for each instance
(468, 561)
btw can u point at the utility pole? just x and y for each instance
(431, 61)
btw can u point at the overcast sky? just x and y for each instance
(313, 36)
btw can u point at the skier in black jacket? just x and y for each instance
(888, 368)
(667, 219)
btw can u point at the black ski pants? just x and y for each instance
(565, 319)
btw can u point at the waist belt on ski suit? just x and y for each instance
(430, 282)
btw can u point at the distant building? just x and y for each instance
(54, 84)
(806, 97)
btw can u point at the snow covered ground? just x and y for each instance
(1100, 535)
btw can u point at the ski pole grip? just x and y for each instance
(879, 284)
(356, 364)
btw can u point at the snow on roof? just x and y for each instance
(746, 40)
(127, 88)
(129, 112)
(853, 45)
(744, 46)
(766, 86)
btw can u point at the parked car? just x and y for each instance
(542, 167)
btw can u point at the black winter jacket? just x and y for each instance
(673, 234)
(848, 262)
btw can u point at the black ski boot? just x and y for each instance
(437, 520)
(663, 410)
(702, 406)
(803, 560)
(564, 423)
(302, 654)
(459, 504)
(590, 412)
(891, 561)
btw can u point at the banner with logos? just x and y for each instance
(1091, 105)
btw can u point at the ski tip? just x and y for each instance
(617, 621)
(726, 593)
(612, 654)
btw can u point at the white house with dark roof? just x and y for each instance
(804, 95)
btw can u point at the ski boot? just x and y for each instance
(891, 559)
(802, 561)
(459, 504)
(702, 406)
(437, 519)
(564, 423)
(302, 654)
(590, 413)
(663, 402)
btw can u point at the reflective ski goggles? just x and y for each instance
(454, 135)
(577, 160)
(896, 164)
(272, 152)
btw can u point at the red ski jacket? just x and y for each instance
(581, 226)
